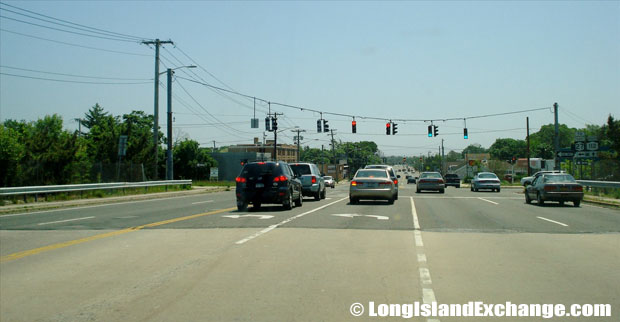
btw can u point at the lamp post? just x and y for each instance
(169, 162)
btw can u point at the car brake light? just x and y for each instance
(280, 179)
(395, 181)
(440, 181)
(354, 183)
(241, 179)
(313, 179)
(550, 188)
(577, 188)
(261, 163)
(385, 183)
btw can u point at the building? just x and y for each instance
(285, 152)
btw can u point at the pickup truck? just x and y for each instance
(452, 180)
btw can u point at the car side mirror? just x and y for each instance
(398, 176)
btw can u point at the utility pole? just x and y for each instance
(157, 44)
(79, 126)
(169, 164)
(298, 139)
(556, 137)
(334, 153)
(443, 167)
(213, 146)
(527, 125)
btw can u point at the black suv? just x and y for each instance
(453, 179)
(268, 182)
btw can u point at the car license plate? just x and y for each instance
(260, 185)
(372, 185)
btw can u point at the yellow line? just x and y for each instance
(35, 251)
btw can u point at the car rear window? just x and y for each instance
(451, 175)
(327, 178)
(371, 174)
(487, 176)
(260, 169)
(301, 169)
(431, 175)
(559, 178)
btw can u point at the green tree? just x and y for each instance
(506, 149)
(11, 155)
(541, 142)
(612, 134)
(473, 149)
(191, 162)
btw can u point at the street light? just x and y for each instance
(169, 163)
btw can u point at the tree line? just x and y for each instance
(42, 152)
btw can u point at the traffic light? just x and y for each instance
(436, 130)
(319, 129)
(325, 126)
(274, 124)
(387, 128)
(354, 127)
(394, 128)
(465, 136)
(430, 131)
(267, 124)
(421, 159)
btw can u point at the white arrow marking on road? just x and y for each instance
(489, 201)
(346, 215)
(356, 215)
(379, 217)
(242, 216)
(553, 221)
(199, 202)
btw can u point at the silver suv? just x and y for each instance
(312, 183)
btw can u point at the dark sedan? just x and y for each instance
(559, 187)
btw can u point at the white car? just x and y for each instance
(329, 181)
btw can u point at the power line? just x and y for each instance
(72, 75)
(71, 44)
(69, 81)
(73, 23)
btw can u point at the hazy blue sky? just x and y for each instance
(413, 60)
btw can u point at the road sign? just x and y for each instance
(586, 154)
(122, 145)
(565, 154)
(580, 146)
(580, 136)
(592, 146)
(214, 173)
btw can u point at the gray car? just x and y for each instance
(372, 184)
(485, 180)
(390, 171)
(430, 181)
(312, 182)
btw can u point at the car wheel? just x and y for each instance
(353, 201)
(391, 201)
(288, 203)
(242, 206)
(539, 199)
(458, 186)
(442, 191)
(561, 203)
(256, 205)
(317, 196)
(299, 202)
(528, 200)
(396, 196)
(417, 190)
(323, 194)
(476, 189)
(576, 203)
(471, 188)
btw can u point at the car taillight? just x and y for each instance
(280, 179)
(313, 179)
(550, 188)
(577, 188)
(387, 183)
(395, 181)
(354, 183)
(241, 179)
(440, 181)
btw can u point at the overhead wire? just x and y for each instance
(73, 75)
(70, 81)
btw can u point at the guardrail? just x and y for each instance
(37, 190)
(600, 184)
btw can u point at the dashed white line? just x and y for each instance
(425, 276)
(418, 238)
(489, 201)
(67, 220)
(199, 202)
(421, 258)
(416, 223)
(428, 296)
(272, 227)
(553, 221)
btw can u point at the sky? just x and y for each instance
(385, 60)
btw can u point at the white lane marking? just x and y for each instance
(553, 221)
(493, 202)
(425, 276)
(95, 206)
(418, 238)
(356, 215)
(421, 258)
(346, 215)
(199, 202)
(428, 296)
(378, 217)
(512, 198)
(243, 216)
(328, 198)
(595, 206)
(272, 227)
(416, 224)
(126, 217)
(67, 220)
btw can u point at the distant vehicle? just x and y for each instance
(452, 179)
(329, 181)
(312, 182)
(485, 180)
(430, 181)
(559, 187)
(525, 181)
(390, 171)
(268, 182)
(372, 184)
(411, 179)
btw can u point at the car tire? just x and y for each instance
(353, 201)
(396, 196)
(498, 190)
(576, 203)
(561, 203)
(391, 201)
(417, 190)
(300, 201)
(323, 194)
(475, 189)
(471, 188)
(539, 199)
(242, 206)
(288, 204)
(256, 205)
(528, 200)
(317, 196)
(458, 186)
(442, 191)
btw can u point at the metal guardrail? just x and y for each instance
(17, 191)
(600, 184)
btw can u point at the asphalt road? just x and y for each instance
(197, 258)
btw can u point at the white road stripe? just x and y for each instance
(418, 238)
(59, 221)
(425, 276)
(416, 224)
(199, 202)
(493, 202)
(421, 258)
(428, 296)
(553, 221)
(272, 227)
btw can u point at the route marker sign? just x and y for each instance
(580, 136)
(592, 146)
(580, 146)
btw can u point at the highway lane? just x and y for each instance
(310, 263)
